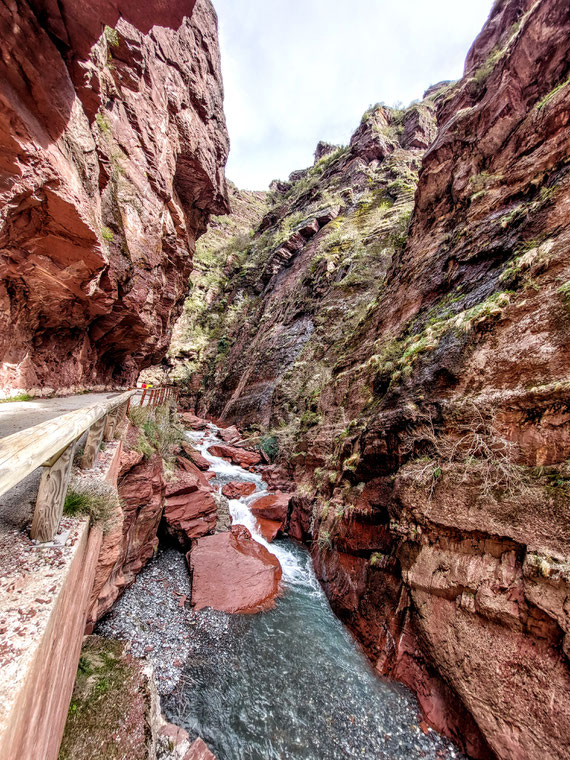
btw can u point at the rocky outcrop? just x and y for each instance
(114, 144)
(232, 572)
(131, 538)
(413, 381)
(269, 529)
(189, 509)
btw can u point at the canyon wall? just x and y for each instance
(411, 374)
(113, 146)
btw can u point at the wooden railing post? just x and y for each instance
(110, 425)
(94, 438)
(122, 412)
(142, 397)
(51, 494)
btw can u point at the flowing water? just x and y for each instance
(290, 683)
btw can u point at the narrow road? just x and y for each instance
(19, 415)
(17, 505)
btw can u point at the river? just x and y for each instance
(287, 684)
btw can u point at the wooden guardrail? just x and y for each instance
(52, 445)
(158, 396)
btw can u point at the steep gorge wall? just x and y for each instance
(113, 148)
(416, 383)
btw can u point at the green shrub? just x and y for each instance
(112, 36)
(270, 445)
(19, 397)
(107, 234)
(159, 430)
(103, 123)
(94, 498)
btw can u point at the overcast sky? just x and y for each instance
(300, 71)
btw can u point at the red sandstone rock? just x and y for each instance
(236, 489)
(233, 573)
(190, 510)
(131, 539)
(242, 457)
(277, 478)
(268, 528)
(84, 255)
(230, 434)
(193, 422)
(274, 506)
(195, 456)
(199, 751)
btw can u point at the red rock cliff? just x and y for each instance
(113, 145)
(416, 381)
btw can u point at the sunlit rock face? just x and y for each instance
(413, 381)
(113, 151)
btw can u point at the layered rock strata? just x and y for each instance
(113, 147)
(413, 380)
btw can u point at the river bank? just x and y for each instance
(288, 683)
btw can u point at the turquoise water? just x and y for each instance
(291, 682)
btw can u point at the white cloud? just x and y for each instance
(300, 71)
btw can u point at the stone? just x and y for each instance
(131, 539)
(273, 506)
(232, 572)
(194, 456)
(237, 489)
(194, 422)
(199, 751)
(230, 434)
(268, 528)
(241, 457)
(190, 510)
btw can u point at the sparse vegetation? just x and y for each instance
(159, 431)
(103, 122)
(95, 498)
(475, 451)
(270, 445)
(112, 36)
(547, 98)
(18, 397)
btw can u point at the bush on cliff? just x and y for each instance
(97, 499)
(159, 430)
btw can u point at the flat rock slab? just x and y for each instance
(242, 457)
(236, 489)
(232, 572)
(273, 506)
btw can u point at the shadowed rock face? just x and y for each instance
(426, 417)
(113, 148)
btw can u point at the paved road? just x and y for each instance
(19, 415)
(16, 506)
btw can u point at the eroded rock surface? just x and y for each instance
(413, 381)
(232, 572)
(114, 143)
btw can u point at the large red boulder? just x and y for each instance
(242, 457)
(229, 435)
(190, 510)
(235, 489)
(232, 572)
(193, 422)
(203, 478)
(195, 456)
(268, 528)
(273, 506)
